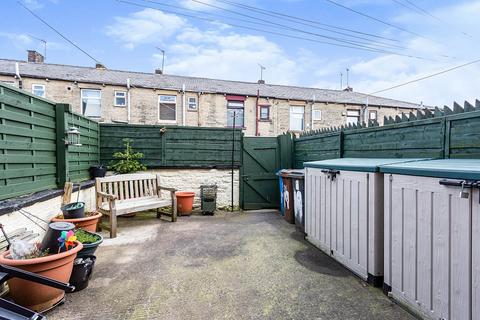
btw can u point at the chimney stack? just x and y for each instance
(158, 71)
(348, 89)
(261, 81)
(35, 57)
(98, 65)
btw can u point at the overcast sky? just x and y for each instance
(413, 43)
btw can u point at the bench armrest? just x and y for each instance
(167, 189)
(106, 195)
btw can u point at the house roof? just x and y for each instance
(192, 84)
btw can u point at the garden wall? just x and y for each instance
(192, 179)
(45, 210)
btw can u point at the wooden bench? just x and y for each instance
(128, 193)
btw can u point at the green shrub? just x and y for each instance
(127, 161)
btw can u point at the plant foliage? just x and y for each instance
(127, 161)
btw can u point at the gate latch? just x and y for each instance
(463, 184)
(332, 174)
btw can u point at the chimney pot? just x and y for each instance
(35, 57)
(99, 65)
(348, 89)
(261, 81)
(158, 71)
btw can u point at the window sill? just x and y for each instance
(118, 106)
(264, 120)
(167, 121)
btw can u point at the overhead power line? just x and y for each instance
(417, 9)
(269, 24)
(306, 22)
(57, 32)
(428, 77)
(376, 50)
(373, 18)
(343, 40)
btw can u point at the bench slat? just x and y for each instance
(121, 195)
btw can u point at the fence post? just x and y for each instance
(446, 137)
(340, 144)
(61, 150)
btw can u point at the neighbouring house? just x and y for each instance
(155, 98)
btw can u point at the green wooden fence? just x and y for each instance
(33, 155)
(440, 134)
(169, 146)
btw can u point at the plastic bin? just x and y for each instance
(288, 192)
(432, 237)
(344, 212)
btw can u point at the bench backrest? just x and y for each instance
(129, 186)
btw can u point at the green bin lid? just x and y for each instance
(356, 164)
(441, 168)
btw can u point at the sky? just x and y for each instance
(306, 43)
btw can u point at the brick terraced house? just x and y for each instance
(154, 98)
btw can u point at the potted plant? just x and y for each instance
(90, 242)
(98, 171)
(88, 223)
(57, 266)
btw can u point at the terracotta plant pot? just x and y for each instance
(88, 223)
(36, 296)
(185, 202)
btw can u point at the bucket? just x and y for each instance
(50, 240)
(185, 202)
(82, 272)
(74, 210)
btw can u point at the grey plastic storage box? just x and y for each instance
(344, 212)
(432, 237)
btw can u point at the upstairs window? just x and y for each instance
(120, 98)
(317, 115)
(264, 113)
(38, 90)
(192, 104)
(235, 109)
(91, 102)
(353, 116)
(297, 114)
(167, 108)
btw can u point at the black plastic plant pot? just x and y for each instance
(90, 248)
(82, 272)
(50, 240)
(74, 210)
(98, 171)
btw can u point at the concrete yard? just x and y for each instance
(229, 266)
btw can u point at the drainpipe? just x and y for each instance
(17, 74)
(184, 114)
(198, 108)
(128, 100)
(257, 133)
(311, 113)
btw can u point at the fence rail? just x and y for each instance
(444, 133)
(33, 155)
(168, 146)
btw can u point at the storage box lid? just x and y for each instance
(441, 168)
(356, 164)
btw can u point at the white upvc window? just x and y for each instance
(192, 104)
(91, 102)
(120, 98)
(297, 114)
(316, 115)
(353, 116)
(167, 108)
(38, 90)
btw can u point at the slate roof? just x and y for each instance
(192, 84)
